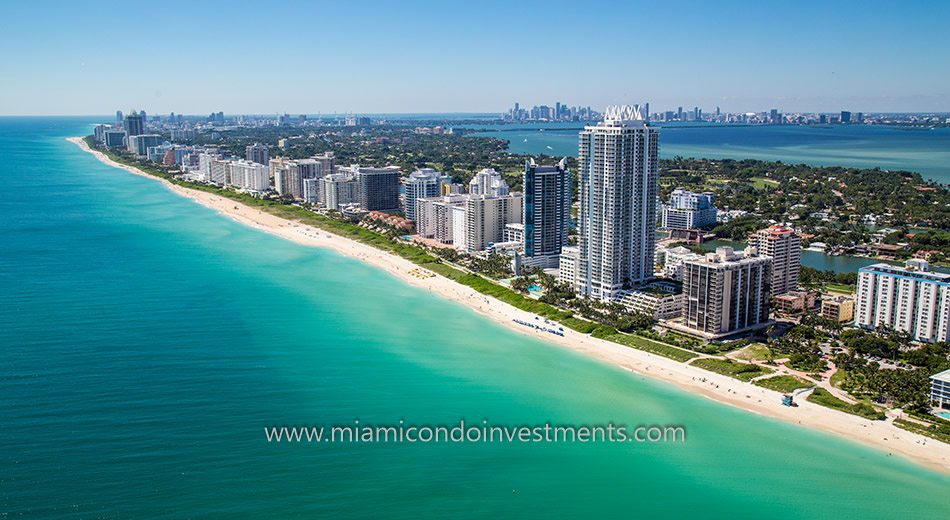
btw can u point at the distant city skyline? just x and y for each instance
(428, 57)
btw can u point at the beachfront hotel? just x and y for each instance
(547, 207)
(250, 176)
(911, 299)
(785, 247)
(725, 293)
(618, 191)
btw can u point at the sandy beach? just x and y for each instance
(882, 435)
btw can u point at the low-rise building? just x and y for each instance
(394, 221)
(661, 300)
(567, 266)
(940, 390)
(794, 302)
(839, 308)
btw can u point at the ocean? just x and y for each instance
(146, 341)
(862, 146)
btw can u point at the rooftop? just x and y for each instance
(942, 376)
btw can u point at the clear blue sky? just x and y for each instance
(92, 57)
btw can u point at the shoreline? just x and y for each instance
(882, 435)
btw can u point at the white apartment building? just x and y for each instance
(339, 189)
(785, 247)
(423, 183)
(688, 210)
(313, 190)
(618, 193)
(910, 299)
(485, 218)
(567, 266)
(204, 164)
(250, 176)
(434, 217)
(468, 222)
(488, 182)
(457, 224)
(220, 172)
(672, 259)
(940, 390)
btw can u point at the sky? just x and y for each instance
(353, 56)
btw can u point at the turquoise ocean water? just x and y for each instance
(145, 341)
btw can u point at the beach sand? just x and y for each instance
(879, 434)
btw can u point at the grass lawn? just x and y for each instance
(939, 431)
(840, 288)
(784, 383)
(755, 351)
(822, 397)
(651, 346)
(838, 377)
(760, 183)
(728, 367)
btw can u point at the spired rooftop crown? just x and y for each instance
(621, 113)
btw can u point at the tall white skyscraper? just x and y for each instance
(618, 193)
